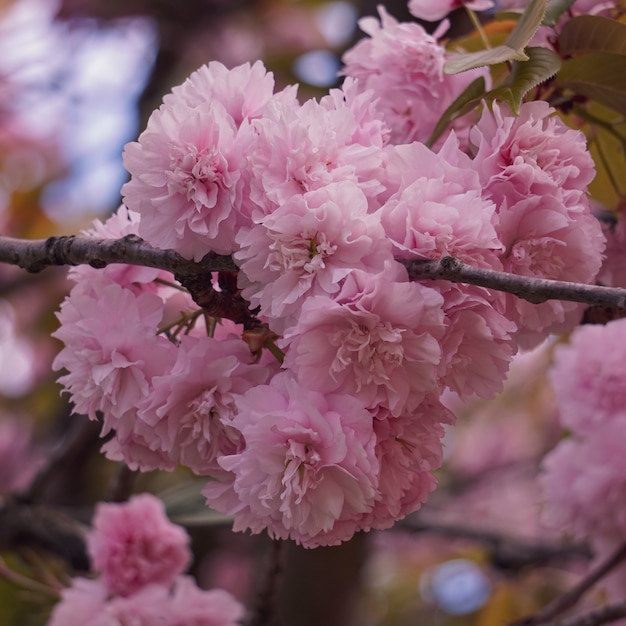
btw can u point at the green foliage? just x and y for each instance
(592, 33)
(511, 50)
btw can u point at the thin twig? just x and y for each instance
(604, 615)
(571, 598)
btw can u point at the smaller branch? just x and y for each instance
(604, 615)
(569, 599)
(535, 290)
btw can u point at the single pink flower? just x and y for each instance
(308, 470)
(81, 604)
(306, 248)
(185, 179)
(438, 209)
(402, 65)
(111, 351)
(133, 544)
(377, 339)
(589, 378)
(189, 412)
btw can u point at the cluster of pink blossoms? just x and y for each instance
(583, 476)
(140, 557)
(319, 203)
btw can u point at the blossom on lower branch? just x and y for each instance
(139, 557)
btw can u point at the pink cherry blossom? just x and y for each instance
(377, 339)
(111, 351)
(439, 209)
(530, 154)
(303, 148)
(434, 10)
(133, 544)
(589, 378)
(185, 172)
(479, 342)
(309, 469)
(190, 410)
(584, 484)
(403, 66)
(409, 448)
(81, 604)
(243, 91)
(192, 606)
(307, 247)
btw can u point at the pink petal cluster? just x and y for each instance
(307, 247)
(403, 66)
(377, 340)
(134, 544)
(189, 412)
(309, 471)
(536, 171)
(140, 557)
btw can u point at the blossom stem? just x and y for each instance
(478, 26)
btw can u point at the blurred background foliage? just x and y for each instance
(78, 79)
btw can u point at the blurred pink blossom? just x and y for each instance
(19, 459)
(134, 544)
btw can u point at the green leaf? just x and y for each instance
(598, 76)
(468, 99)
(186, 505)
(511, 50)
(542, 65)
(555, 10)
(589, 33)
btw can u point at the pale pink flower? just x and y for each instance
(190, 410)
(377, 339)
(304, 148)
(243, 91)
(536, 170)
(133, 544)
(435, 10)
(409, 448)
(439, 209)
(403, 66)
(589, 377)
(81, 604)
(479, 342)
(192, 606)
(584, 483)
(306, 248)
(309, 470)
(530, 153)
(185, 179)
(111, 351)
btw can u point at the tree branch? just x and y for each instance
(36, 255)
(535, 290)
(569, 599)
(604, 615)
